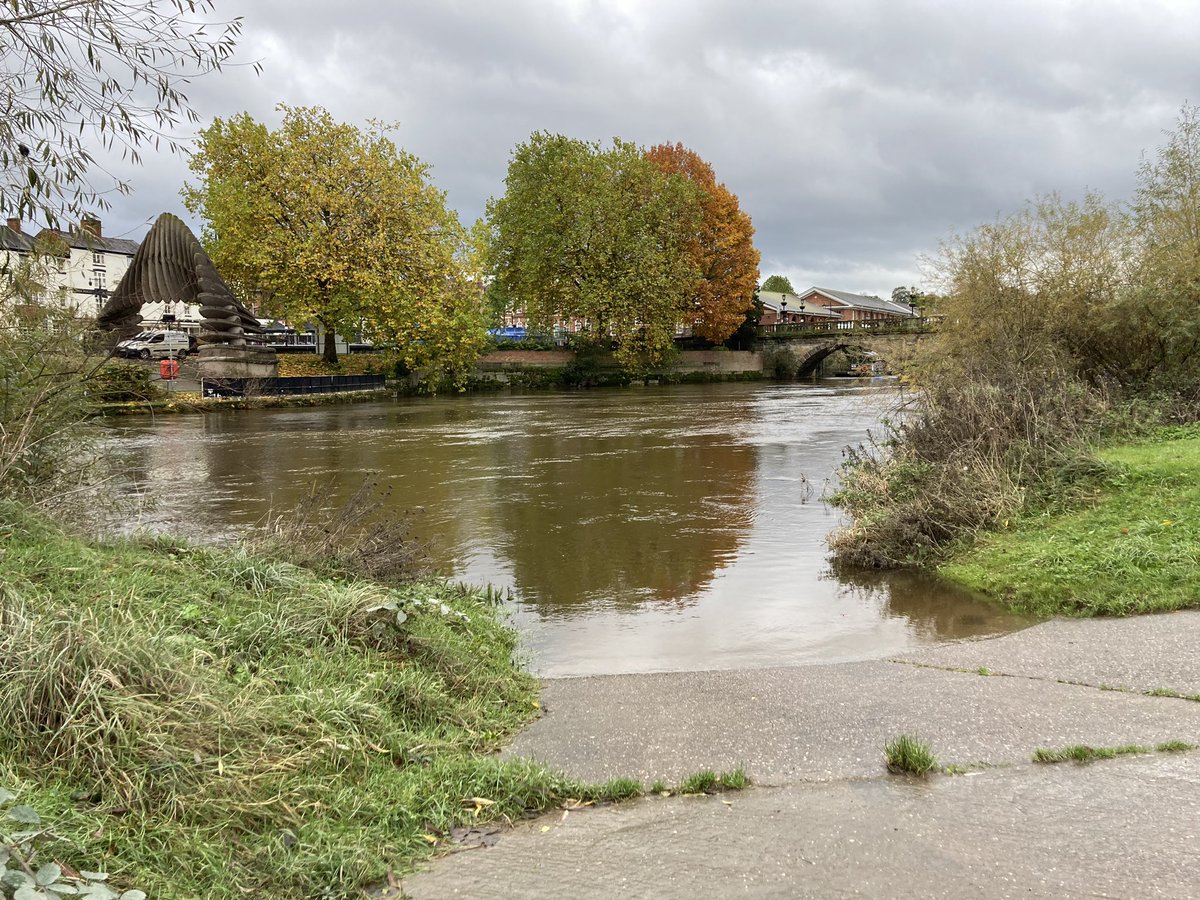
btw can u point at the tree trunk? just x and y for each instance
(330, 355)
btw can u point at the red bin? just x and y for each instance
(168, 369)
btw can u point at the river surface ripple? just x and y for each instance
(639, 530)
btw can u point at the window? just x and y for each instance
(62, 265)
(97, 259)
(98, 279)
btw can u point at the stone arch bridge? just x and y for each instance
(895, 350)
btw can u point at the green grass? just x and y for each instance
(621, 789)
(709, 782)
(1134, 549)
(1081, 753)
(1177, 695)
(909, 755)
(1174, 747)
(204, 723)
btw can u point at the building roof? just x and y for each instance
(772, 299)
(17, 241)
(85, 240)
(860, 301)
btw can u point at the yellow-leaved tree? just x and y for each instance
(323, 222)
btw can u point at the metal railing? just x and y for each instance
(819, 329)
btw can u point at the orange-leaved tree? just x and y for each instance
(723, 249)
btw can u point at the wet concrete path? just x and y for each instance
(824, 818)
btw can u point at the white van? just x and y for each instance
(156, 345)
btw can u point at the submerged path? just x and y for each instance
(824, 818)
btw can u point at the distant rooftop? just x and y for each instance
(772, 300)
(11, 239)
(861, 301)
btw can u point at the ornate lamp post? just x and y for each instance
(783, 311)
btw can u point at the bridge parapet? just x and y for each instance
(823, 330)
(895, 348)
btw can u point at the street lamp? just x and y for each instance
(783, 310)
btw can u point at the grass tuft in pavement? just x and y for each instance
(1174, 747)
(1082, 753)
(709, 782)
(909, 755)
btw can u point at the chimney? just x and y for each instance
(90, 225)
(14, 224)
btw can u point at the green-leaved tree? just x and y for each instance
(320, 221)
(596, 235)
(778, 284)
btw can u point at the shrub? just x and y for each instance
(43, 439)
(117, 382)
(1062, 325)
(362, 538)
(965, 455)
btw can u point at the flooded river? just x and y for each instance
(638, 530)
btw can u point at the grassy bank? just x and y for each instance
(204, 723)
(1133, 548)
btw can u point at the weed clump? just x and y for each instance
(361, 537)
(708, 782)
(619, 789)
(1082, 753)
(1174, 747)
(908, 755)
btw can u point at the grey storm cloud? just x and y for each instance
(856, 135)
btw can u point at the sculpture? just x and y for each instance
(171, 266)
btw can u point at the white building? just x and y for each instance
(81, 266)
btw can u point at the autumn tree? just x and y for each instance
(599, 235)
(1166, 216)
(778, 284)
(324, 222)
(722, 248)
(85, 76)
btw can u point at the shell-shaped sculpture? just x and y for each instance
(170, 265)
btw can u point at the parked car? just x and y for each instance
(156, 345)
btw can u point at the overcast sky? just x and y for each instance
(856, 134)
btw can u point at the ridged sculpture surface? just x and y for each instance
(171, 266)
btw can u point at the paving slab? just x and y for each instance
(1141, 653)
(1123, 828)
(823, 723)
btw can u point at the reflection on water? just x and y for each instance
(639, 530)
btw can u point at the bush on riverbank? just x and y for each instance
(203, 722)
(117, 382)
(1134, 549)
(43, 372)
(1064, 326)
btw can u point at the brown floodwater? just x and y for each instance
(640, 530)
